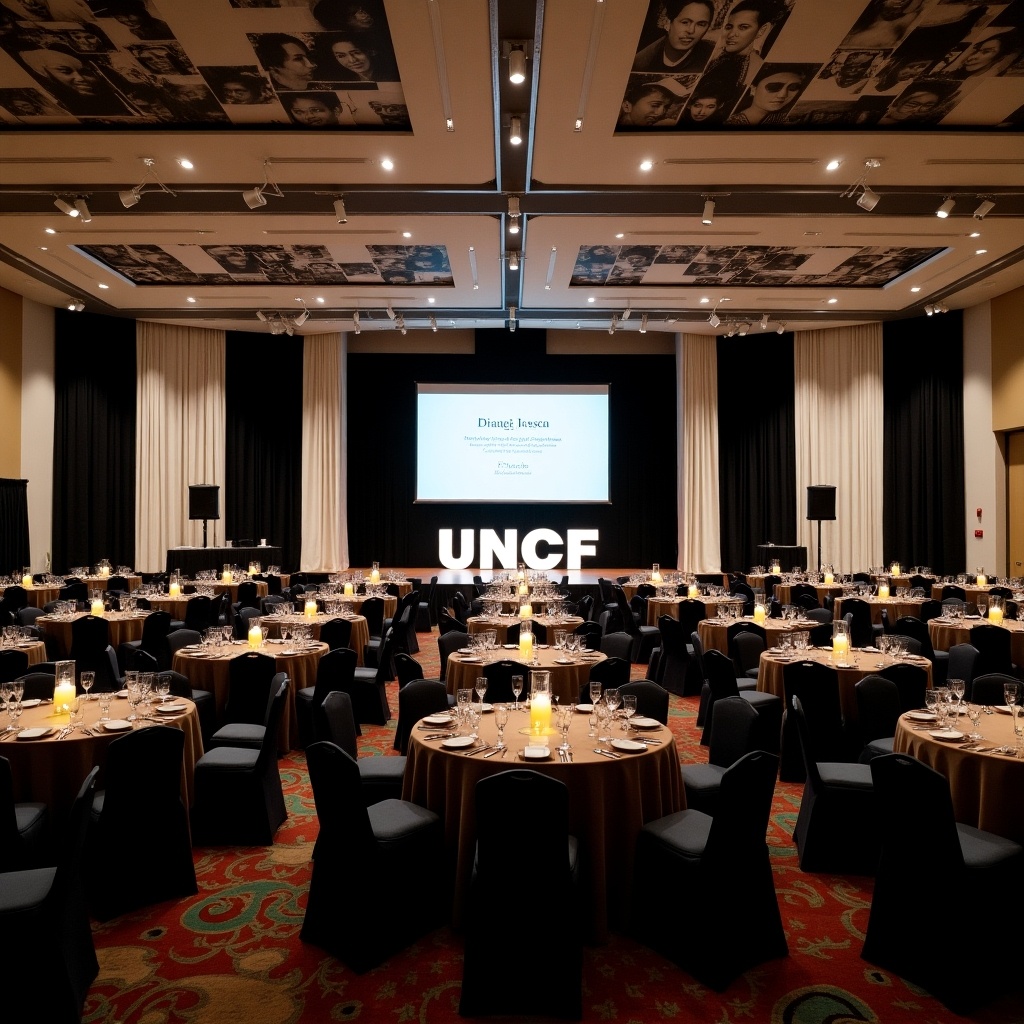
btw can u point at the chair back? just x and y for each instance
(993, 646)
(338, 722)
(591, 631)
(90, 635)
(916, 629)
(241, 618)
(250, 680)
(954, 591)
(267, 758)
(335, 671)
(336, 633)
(691, 611)
(988, 689)
(142, 787)
(740, 825)
(448, 643)
(248, 594)
(742, 589)
(460, 605)
(746, 648)
(346, 837)
(407, 668)
(651, 699)
(179, 638)
(930, 609)
(200, 612)
(499, 681)
(417, 699)
(796, 708)
(448, 623)
(733, 721)
(858, 613)
(74, 592)
(800, 593)
(610, 672)
(372, 610)
(38, 685)
(911, 682)
(963, 664)
(629, 623)
(878, 707)
(179, 685)
(13, 664)
(155, 627)
(585, 607)
(540, 633)
(617, 645)
(817, 686)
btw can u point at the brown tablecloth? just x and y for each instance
(945, 634)
(860, 663)
(360, 631)
(262, 588)
(40, 595)
(985, 787)
(51, 770)
(896, 606)
(355, 602)
(100, 582)
(657, 606)
(36, 651)
(784, 592)
(121, 627)
(971, 590)
(566, 680)
(212, 673)
(479, 624)
(609, 801)
(713, 633)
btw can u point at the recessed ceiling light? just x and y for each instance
(44, 248)
(51, 231)
(191, 298)
(620, 234)
(104, 286)
(832, 302)
(320, 299)
(915, 289)
(430, 299)
(980, 252)
(974, 234)
(833, 165)
(407, 234)
(725, 300)
(186, 163)
(590, 298)
(704, 301)
(388, 164)
(646, 165)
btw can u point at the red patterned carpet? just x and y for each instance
(232, 954)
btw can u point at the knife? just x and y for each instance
(607, 753)
(477, 750)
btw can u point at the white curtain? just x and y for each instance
(179, 436)
(838, 411)
(324, 498)
(699, 532)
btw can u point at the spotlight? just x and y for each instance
(302, 317)
(946, 208)
(709, 212)
(714, 320)
(433, 324)
(743, 330)
(515, 130)
(355, 322)
(929, 309)
(985, 207)
(613, 325)
(400, 323)
(513, 260)
(868, 199)
(511, 318)
(941, 308)
(513, 215)
(780, 328)
(76, 306)
(764, 322)
(643, 323)
(517, 65)
(83, 210)
(254, 198)
(260, 315)
(129, 198)
(65, 207)
(390, 312)
(730, 332)
(339, 210)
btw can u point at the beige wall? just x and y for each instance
(1008, 361)
(10, 384)
(37, 408)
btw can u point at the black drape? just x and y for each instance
(263, 442)
(756, 446)
(14, 540)
(923, 509)
(385, 524)
(93, 440)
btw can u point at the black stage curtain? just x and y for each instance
(14, 540)
(637, 528)
(923, 509)
(93, 440)
(263, 442)
(756, 447)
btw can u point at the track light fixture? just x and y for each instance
(83, 210)
(150, 183)
(256, 197)
(945, 208)
(732, 330)
(985, 207)
(780, 328)
(937, 307)
(868, 199)
(302, 317)
(400, 323)
(714, 319)
(513, 260)
(643, 323)
(515, 130)
(76, 306)
(129, 198)
(708, 216)
(390, 312)
(65, 207)
(339, 210)
(355, 322)
(764, 322)
(517, 63)
(513, 215)
(613, 326)
(742, 331)
(433, 323)
(511, 318)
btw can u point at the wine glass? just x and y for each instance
(481, 688)
(1010, 696)
(564, 721)
(956, 689)
(6, 690)
(604, 714)
(163, 686)
(517, 689)
(611, 698)
(18, 689)
(595, 691)
(86, 679)
(500, 721)
(628, 709)
(974, 714)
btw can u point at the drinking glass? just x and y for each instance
(517, 689)
(133, 700)
(611, 698)
(14, 710)
(163, 686)
(956, 689)
(18, 689)
(76, 713)
(564, 721)
(974, 714)
(481, 688)
(595, 691)
(86, 679)
(1010, 695)
(500, 721)
(105, 698)
(982, 607)
(604, 715)
(628, 709)
(6, 693)
(592, 720)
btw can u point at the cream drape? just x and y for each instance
(838, 410)
(324, 498)
(179, 435)
(699, 532)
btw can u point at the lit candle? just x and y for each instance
(26, 580)
(883, 591)
(97, 606)
(759, 615)
(348, 590)
(526, 647)
(253, 569)
(226, 576)
(692, 591)
(63, 695)
(995, 615)
(375, 576)
(255, 636)
(829, 579)
(526, 610)
(104, 570)
(840, 646)
(174, 590)
(656, 577)
(982, 580)
(310, 608)
(523, 589)
(540, 713)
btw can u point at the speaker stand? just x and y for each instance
(819, 537)
(819, 545)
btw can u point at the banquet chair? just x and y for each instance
(770, 583)
(447, 622)
(13, 663)
(878, 711)
(746, 645)
(248, 594)
(930, 609)
(204, 700)
(407, 668)
(372, 609)
(38, 684)
(818, 615)
(425, 607)
(591, 632)
(741, 588)
(448, 643)
(334, 673)
(954, 591)
(176, 639)
(988, 689)
(74, 592)
(924, 849)
(820, 635)
(499, 681)
(15, 597)
(961, 664)
(732, 730)
(44, 917)
(993, 646)
(369, 693)
(90, 635)
(674, 659)
(912, 626)
(800, 593)
(24, 827)
(238, 796)
(155, 627)
(270, 603)
(139, 818)
(416, 700)
(585, 607)
(837, 828)
(399, 629)
(721, 675)
(27, 616)
(460, 605)
(240, 620)
(379, 879)
(380, 775)
(693, 865)
(617, 645)
(610, 672)
(336, 633)
(540, 633)
(201, 612)
(911, 681)
(118, 585)
(253, 680)
(509, 806)
(404, 623)
(691, 611)
(817, 686)
(857, 612)
(651, 698)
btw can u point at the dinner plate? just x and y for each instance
(438, 719)
(945, 734)
(921, 716)
(470, 659)
(171, 709)
(458, 742)
(486, 707)
(644, 723)
(584, 708)
(121, 693)
(511, 647)
(117, 725)
(629, 746)
(31, 702)
(1003, 709)
(464, 650)
(563, 661)
(536, 753)
(33, 734)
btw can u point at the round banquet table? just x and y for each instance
(896, 606)
(480, 624)
(714, 633)
(210, 669)
(100, 582)
(945, 633)
(566, 680)
(40, 595)
(262, 588)
(360, 631)
(985, 786)
(609, 801)
(51, 770)
(861, 662)
(35, 649)
(121, 627)
(176, 606)
(658, 606)
(784, 592)
(355, 603)
(971, 590)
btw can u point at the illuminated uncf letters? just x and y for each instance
(578, 544)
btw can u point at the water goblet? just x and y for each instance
(956, 689)
(14, 710)
(481, 688)
(76, 714)
(564, 722)
(595, 690)
(133, 700)
(500, 721)
(86, 679)
(105, 698)
(517, 689)
(18, 689)
(974, 714)
(611, 698)
(604, 715)
(628, 709)
(1010, 694)
(163, 686)
(6, 694)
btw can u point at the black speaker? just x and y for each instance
(821, 501)
(204, 501)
